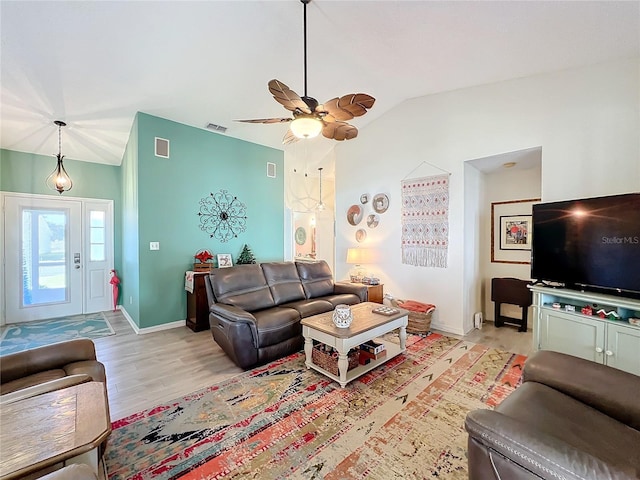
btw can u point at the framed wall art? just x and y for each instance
(224, 260)
(515, 232)
(511, 231)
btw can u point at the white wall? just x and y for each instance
(586, 121)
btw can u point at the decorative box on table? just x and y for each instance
(326, 357)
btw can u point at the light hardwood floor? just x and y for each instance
(146, 370)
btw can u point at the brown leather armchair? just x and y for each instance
(570, 419)
(49, 368)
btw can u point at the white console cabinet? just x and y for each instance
(612, 342)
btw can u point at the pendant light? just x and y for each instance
(59, 179)
(321, 205)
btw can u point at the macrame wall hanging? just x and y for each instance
(222, 216)
(425, 221)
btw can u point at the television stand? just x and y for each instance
(561, 325)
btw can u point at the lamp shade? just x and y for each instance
(358, 256)
(306, 126)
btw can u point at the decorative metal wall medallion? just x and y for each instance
(222, 216)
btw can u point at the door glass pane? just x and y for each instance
(96, 236)
(44, 256)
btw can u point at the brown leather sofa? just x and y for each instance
(570, 419)
(52, 367)
(255, 310)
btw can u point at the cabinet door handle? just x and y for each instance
(608, 353)
(598, 349)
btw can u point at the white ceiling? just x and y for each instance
(94, 64)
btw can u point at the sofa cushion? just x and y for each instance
(314, 306)
(344, 298)
(574, 423)
(277, 324)
(31, 380)
(316, 278)
(242, 286)
(283, 281)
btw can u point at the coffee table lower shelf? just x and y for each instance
(392, 350)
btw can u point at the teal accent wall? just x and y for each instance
(168, 199)
(26, 173)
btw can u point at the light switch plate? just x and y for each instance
(154, 245)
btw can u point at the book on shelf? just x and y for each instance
(372, 347)
(364, 354)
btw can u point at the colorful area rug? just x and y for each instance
(24, 336)
(402, 420)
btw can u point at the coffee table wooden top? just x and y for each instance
(363, 319)
(46, 429)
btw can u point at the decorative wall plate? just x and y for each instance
(301, 236)
(373, 220)
(361, 235)
(380, 203)
(354, 215)
(364, 198)
(222, 216)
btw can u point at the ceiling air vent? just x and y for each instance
(216, 128)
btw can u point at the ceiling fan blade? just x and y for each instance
(266, 120)
(289, 138)
(287, 97)
(339, 131)
(348, 106)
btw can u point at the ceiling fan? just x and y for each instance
(309, 117)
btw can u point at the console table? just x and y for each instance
(197, 304)
(64, 426)
(567, 330)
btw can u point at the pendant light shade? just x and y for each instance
(321, 205)
(306, 126)
(59, 179)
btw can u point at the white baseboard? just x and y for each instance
(155, 328)
(443, 327)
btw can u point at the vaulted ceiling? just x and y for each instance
(94, 64)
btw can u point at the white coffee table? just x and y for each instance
(366, 326)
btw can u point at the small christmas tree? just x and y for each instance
(246, 256)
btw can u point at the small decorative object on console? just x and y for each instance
(342, 316)
(634, 321)
(570, 308)
(587, 310)
(203, 264)
(611, 315)
(370, 281)
(556, 305)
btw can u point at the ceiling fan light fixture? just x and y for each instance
(306, 126)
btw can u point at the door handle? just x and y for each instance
(77, 267)
(598, 349)
(608, 353)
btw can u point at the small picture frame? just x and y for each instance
(515, 232)
(224, 260)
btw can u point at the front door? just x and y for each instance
(58, 253)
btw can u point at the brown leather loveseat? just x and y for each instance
(49, 368)
(255, 310)
(570, 419)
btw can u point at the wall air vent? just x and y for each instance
(271, 170)
(216, 128)
(162, 147)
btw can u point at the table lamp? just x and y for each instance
(357, 257)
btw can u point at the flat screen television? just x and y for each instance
(589, 244)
